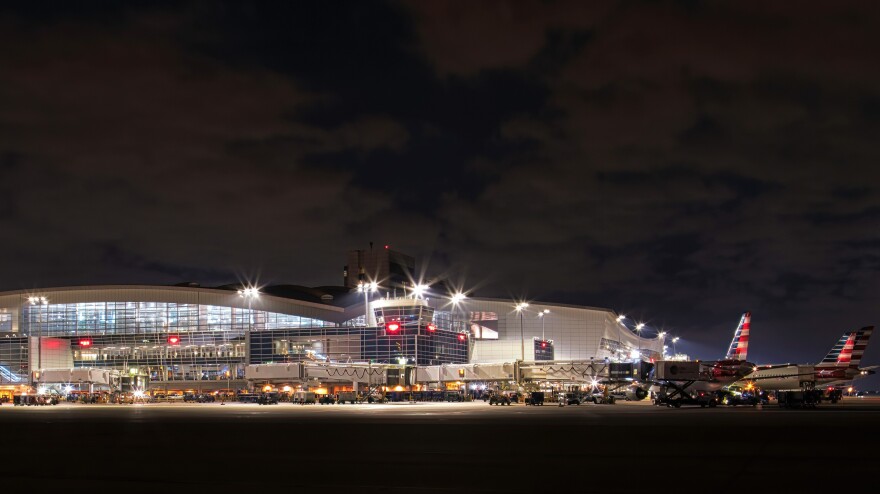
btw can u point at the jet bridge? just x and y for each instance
(6, 375)
(586, 372)
(78, 375)
(304, 371)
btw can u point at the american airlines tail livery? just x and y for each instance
(841, 365)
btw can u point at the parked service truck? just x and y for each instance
(347, 396)
(304, 397)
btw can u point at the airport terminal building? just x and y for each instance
(161, 334)
(188, 336)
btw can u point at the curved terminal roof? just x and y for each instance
(325, 303)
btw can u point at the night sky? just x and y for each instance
(679, 162)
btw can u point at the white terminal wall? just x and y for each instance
(576, 332)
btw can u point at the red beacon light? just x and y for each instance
(85, 342)
(543, 344)
(173, 340)
(392, 327)
(431, 328)
(461, 336)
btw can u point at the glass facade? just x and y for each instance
(151, 317)
(164, 341)
(13, 360)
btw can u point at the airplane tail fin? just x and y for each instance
(739, 347)
(848, 350)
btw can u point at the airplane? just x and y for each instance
(734, 365)
(715, 374)
(841, 365)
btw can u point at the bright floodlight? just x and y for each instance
(249, 292)
(639, 326)
(374, 286)
(419, 290)
(675, 339)
(458, 298)
(621, 318)
(521, 306)
(662, 334)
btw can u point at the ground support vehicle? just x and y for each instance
(347, 396)
(268, 399)
(535, 398)
(602, 398)
(304, 397)
(833, 395)
(248, 398)
(499, 399)
(807, 398)
(735, 396)
(676, 393)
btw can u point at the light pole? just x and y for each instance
(543, 315)
(520, 307)
(457, 299)
(249, 294)
(662, 336)
(639, 328)
(674, 352)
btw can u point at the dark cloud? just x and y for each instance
(680, 161)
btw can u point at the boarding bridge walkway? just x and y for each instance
(7, 375)
(590, 371)
(78, 375)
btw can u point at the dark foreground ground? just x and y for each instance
(413, 448)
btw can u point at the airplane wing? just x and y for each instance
(773, 366)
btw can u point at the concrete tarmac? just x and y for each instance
(443, 447)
